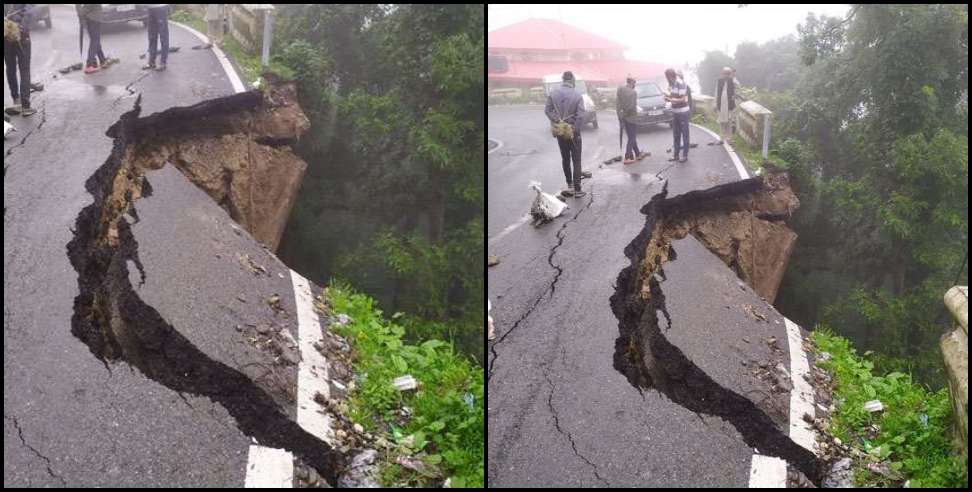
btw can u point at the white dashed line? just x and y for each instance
(767, 472)
(801, 396)
(269, 468)
(312, 371)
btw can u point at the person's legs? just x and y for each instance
(631, 150)
(565, 150)
(10, 60)
(683, 122)
(164, 33)
(576, 155)
(99, 54)
(153, 35)
(676, 136)
(725, 131)
(23, 62)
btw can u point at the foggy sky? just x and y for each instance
(671, 34)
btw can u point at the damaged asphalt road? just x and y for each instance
(560, 413)
(67, 417)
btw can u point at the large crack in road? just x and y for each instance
(117, 325)
(642, 352)
(551, 288)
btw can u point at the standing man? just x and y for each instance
(725, 104)
(563, 107)
(627, 108)
(158, 26)
(678, 96)
(90, 17)
(16, 55)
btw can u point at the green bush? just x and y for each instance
(447, 420)
(913, 427)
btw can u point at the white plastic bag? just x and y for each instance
(545, 206)
(7, 128)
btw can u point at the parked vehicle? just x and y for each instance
(116, 13)
(652, 108)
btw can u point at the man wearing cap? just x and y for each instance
(563, 104)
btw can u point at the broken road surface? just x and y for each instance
(567, 407)
(156, 406)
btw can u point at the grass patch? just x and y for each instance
(911, 434)
(446, 429)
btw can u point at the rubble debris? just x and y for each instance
(363, 471)
(254, 267)
(274, 302)
(755, 314)
(840, 474)
(492, 261)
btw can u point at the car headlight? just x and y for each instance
(640, 110)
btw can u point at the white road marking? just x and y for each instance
(227, 66)
(269, 468)
(312, 371)
(767, 472)
(499, 145)
(801, 396)
(732, 152)
(510, 228)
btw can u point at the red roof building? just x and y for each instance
(521, 54)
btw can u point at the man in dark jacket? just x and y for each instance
(16, 55)
(564, 103)
(627, 108)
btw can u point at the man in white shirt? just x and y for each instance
(678, 96)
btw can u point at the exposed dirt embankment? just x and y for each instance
(237, 150)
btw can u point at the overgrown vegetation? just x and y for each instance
(393, 195)
(446, 427)
(911, 434)
(871, 119)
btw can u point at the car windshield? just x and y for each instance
(647, 90)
